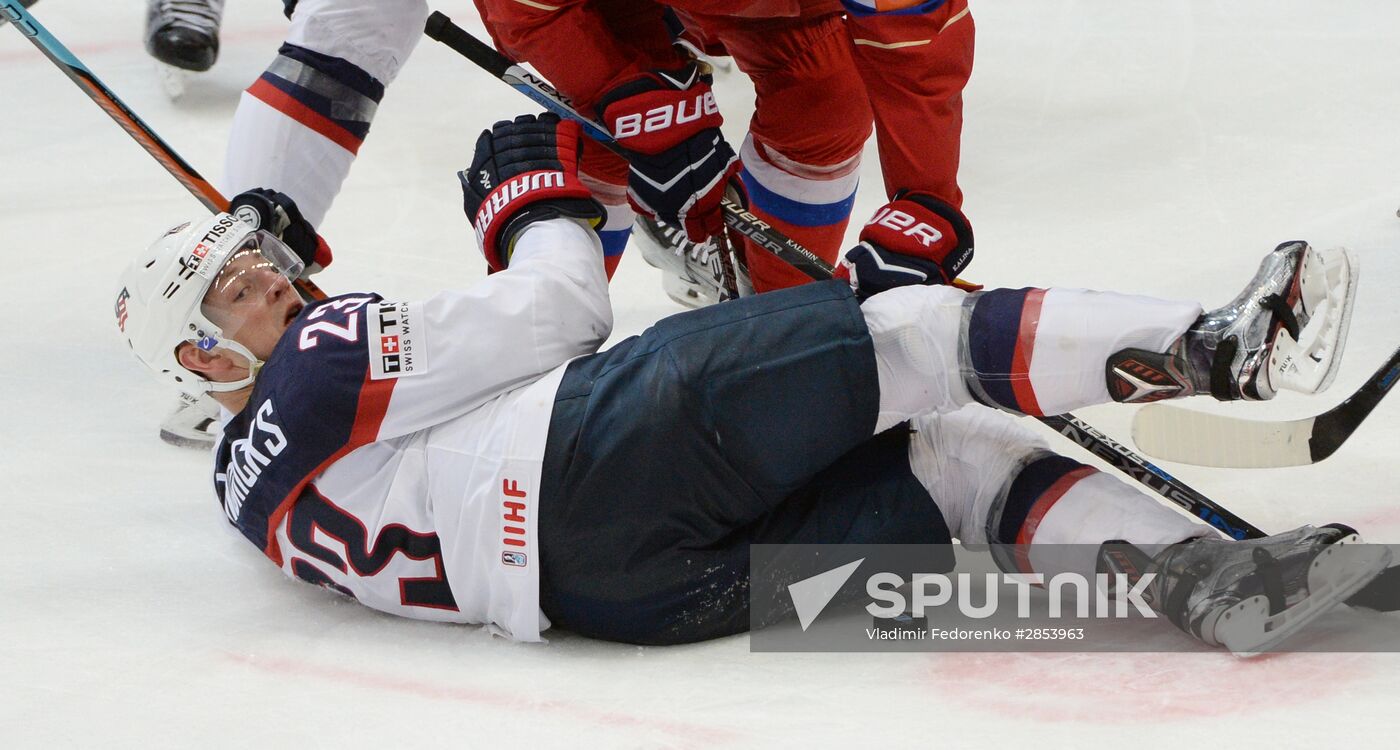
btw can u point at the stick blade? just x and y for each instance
(1171, 433)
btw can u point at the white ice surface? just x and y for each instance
(1150, 147)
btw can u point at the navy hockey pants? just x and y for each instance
(669, 454)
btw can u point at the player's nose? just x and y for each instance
(278, 288)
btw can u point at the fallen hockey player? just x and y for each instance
(474, 458)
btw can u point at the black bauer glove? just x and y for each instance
(667, 123)
(522, 172)
(278, 214)
(914, 239)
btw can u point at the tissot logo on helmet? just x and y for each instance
(160, 305)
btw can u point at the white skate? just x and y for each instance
(193, 424)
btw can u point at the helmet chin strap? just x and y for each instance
(254, 366)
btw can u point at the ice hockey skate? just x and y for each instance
(691, 272)
(183, 37)
(1285, 331)
(1248, 596)
(192, 424)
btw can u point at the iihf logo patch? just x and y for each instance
(514, 559)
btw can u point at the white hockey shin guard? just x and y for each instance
(1031, 351)
(299, 127)
(997, 482)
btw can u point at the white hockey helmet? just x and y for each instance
(159, 302)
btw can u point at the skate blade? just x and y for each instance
(684, 293)
(173, 80)
(192, 442)
(193, 424)
(1335, 574)
(1310, 363)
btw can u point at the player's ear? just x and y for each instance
(193, 358)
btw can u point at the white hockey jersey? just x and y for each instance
(392, 450)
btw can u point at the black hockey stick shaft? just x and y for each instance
(736, 217)
(1333, 427)
(1151, 476)
(139, 131)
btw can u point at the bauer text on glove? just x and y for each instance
(667, 123)
(914, 239)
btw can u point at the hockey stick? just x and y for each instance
(4, 19)
(1381, 594)
(1377, 595)
(1175, 434)
(72, 67)
(442, 29)
(1151, 476)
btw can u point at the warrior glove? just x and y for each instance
(667, 123)
(914, 239)
(278, 214)
(523, 172)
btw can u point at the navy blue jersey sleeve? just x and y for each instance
(312, 403)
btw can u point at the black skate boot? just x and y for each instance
(1249, 595)
(1286, 330)
(184, 33)
(691, 272)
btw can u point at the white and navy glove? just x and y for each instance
(278, 214)
(522, 172)
(667, 123)
(914, 239)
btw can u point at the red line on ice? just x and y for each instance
(699, 735)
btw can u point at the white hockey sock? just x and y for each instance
(1098, 508)
(1031, 351)
(299, 126)
(996, 481)
(1038, 351)
(269, 148)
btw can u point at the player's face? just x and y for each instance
(252, 301)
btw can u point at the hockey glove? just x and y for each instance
(522, 172)
(667, 123)
(277, 213)
(913, 239)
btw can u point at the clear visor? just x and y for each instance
(252, 298)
